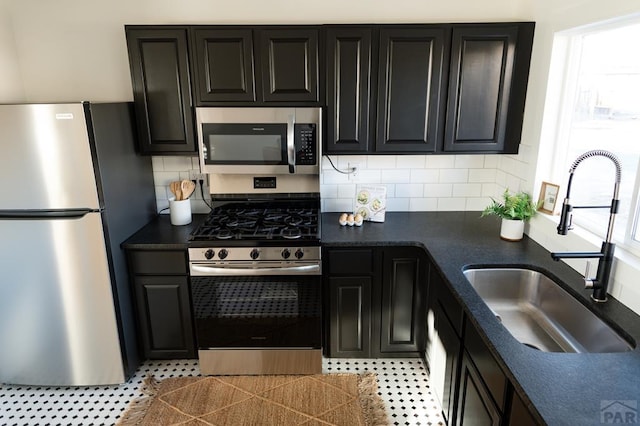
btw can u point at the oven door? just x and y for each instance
(257, 311)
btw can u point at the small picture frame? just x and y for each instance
(549, 197)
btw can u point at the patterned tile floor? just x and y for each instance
(403, 384)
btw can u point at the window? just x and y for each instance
(600, 109)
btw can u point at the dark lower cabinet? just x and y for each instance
(404, 288)
(163, 303)
(475, 406)
(165, 317)
(159, 64)
(464, 375)
(350, 316)
(376, 302)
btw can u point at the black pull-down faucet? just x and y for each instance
(605, 255)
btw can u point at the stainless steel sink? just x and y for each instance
(541, 314)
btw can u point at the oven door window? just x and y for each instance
(251, 312)
(253, 144)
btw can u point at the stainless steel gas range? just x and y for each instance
(255, 270)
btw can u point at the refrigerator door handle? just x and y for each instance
(46, 214)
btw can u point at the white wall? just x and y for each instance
(73, 50)
(552, 16)
(11, 88)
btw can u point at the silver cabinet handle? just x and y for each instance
(200, 270)
(291, 148)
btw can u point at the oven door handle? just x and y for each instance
(291, 146)
(202, 270)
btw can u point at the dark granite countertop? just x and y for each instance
(563, 389)
(160, 234)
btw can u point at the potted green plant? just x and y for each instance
(514, 210)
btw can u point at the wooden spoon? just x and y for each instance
(176, 190)
(187, 188)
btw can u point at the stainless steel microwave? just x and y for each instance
(255, 140)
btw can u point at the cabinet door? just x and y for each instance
(444, 359)
(520, 415)
(159, 62)
(164, 314)
(410, 95)
(403, 315)
(348, 89)
(475, 406)
(487, 85)
(289, 65)
(223, 65)
(350, 316)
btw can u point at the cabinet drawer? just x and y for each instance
(486, 364)
(158, 262)
(350, 262)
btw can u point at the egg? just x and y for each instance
(357, 220)
(350, 220)
(342, 220)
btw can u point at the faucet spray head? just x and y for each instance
(565, 225)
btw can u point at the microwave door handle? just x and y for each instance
(291, 148)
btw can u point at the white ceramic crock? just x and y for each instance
(512, 230)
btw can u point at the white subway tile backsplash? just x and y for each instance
(328, 191)
(395, 175)
(381, 162)
(411, 161)
(454, 175)
(467, 189)
(409, 190)
(397, 204)
(477, 203)
(177, 164)
(438, 190)
(157, 163)
(482, 175)
(423, 204)
(424, 176)
(332, 176)
(491, 161)
(165, 178)
(347, 191)
(440, 162)
(369, 176)
(468, 161)
(451, 204)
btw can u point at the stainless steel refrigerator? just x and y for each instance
(71, 190)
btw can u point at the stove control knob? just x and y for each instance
(299, 253)
(209, 254)
(254, 254)
(223, 253)
(286, 253)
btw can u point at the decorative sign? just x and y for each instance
(371, 202)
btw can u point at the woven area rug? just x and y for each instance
(314, 400)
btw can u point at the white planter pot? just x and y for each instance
(512, 230)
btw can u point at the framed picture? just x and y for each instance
(549, 196)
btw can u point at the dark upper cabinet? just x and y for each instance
(409, 89)
(253, 66)
(289, 64)
(159, 63)
(349, 79)
(487, 87)
(456, 88)
(223, 65)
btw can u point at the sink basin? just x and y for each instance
(541, 314)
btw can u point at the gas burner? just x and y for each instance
(293, 220)
(224, 234)
(291, 233)
(264, 221)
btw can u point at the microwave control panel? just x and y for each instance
(306, 144)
